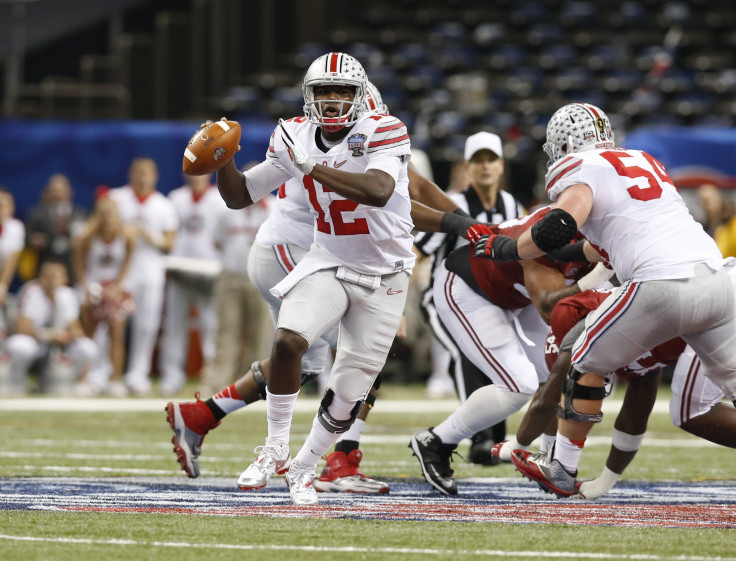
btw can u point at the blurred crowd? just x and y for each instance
(143, 292)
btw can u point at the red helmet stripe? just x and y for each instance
(334, 57)
(591, 109)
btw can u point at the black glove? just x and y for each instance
(497, 248)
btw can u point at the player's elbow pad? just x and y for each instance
(555, 230)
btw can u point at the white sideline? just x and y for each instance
(304, 405)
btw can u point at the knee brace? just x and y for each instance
(329, 422)
(572, 390)
(259, 379)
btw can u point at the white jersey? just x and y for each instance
(236, 231)
(105, 259)
(638, 221)
(369, 240)
(154, 213)
(199, 217)
(12, 238)
(45, 312)
(290, 221)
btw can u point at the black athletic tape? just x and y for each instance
(555, 230)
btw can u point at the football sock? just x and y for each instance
(347, 446)
(547, 441)
(318, 442)
(568, 453)
(353, 433)
(225, 402)
(279, 411)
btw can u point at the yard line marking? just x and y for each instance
(385, 550)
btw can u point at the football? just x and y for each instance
(211, 147)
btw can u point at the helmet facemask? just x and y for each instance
(576, 128)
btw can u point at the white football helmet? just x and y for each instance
(575, 128)
(373, 99)
(335, 68)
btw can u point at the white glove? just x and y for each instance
(596, 278)
(297, 153)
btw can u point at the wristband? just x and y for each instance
(452, 223)
(461, 212)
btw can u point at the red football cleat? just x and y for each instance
(342, 474)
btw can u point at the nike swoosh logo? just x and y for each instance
(340, 164)
(391, 291)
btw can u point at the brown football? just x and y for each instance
(211, 147)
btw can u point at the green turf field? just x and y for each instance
(129, 445)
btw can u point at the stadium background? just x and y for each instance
(88, 86)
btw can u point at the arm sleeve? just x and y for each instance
(260, 180)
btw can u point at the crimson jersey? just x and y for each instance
(570, 310)
(503, 282)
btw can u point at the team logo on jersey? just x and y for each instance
(356, 143)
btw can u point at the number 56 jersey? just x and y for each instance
(370, 240)
(638, 221)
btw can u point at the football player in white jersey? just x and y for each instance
(353, 166)
(199, 210)
(695, 406)
(282, 241)
(154, 219)
(674, 282)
